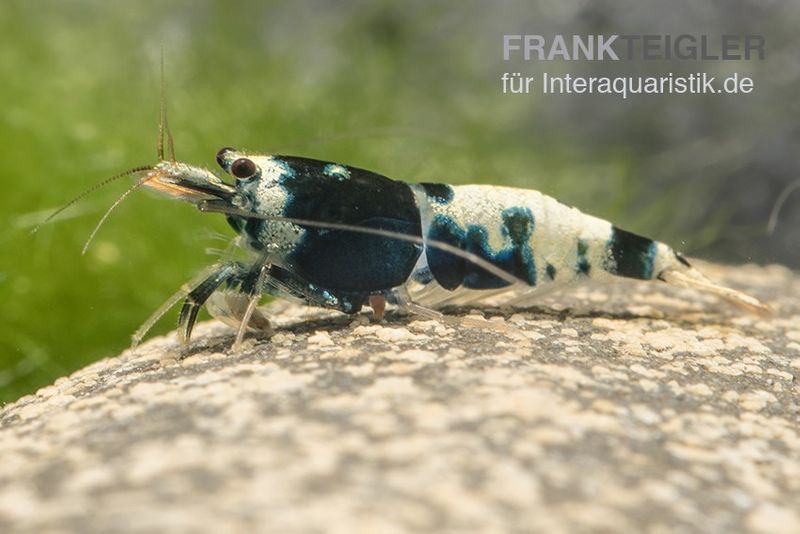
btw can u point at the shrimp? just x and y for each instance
(335, 236)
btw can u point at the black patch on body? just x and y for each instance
(347, 261)
(252, 229)
(633, 255)
(424, 276)
(582, 265)
(452, 271)
(551, 271)
(448, 269)
(439, 193)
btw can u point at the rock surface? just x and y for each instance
(633, 407)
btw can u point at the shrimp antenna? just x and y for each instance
(773, 217)
(163, 125)
(215, 207)
(111, 208)
(89, 191)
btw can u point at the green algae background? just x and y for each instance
(410, 90)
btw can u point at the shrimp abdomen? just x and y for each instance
(541, 242)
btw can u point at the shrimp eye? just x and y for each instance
(243, 168)
(221, 155)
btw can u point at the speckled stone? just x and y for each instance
(630, 407)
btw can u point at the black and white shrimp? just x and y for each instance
(339, 237)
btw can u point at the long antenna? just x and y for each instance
(111, 208)
(163, 125)
(89, 191)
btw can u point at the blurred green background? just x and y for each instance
(408, 89)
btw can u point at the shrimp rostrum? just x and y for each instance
(339, 237)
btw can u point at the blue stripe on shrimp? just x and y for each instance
(516, 258)
(632, 255)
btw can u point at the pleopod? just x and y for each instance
(339, 237)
